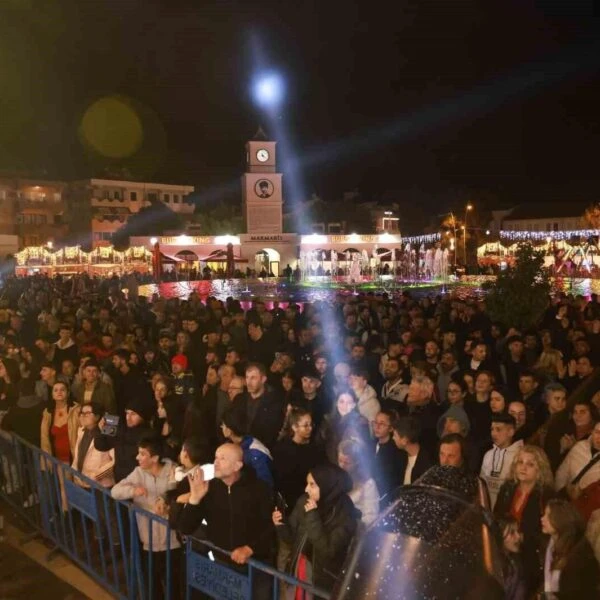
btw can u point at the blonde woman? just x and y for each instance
(523, 497)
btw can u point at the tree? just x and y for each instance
(150, 220)
(520, 294)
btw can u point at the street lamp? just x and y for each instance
(468, 207)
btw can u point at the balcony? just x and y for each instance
(44, 205)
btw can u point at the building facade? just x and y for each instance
(34, 210)
(105, 205)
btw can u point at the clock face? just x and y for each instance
(263, 188)
(262, 155)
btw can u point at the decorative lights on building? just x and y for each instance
(547, 236)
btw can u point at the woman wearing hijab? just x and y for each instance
(320, 527)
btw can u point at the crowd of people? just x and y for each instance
(313, 416)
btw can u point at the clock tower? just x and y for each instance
(261, 187)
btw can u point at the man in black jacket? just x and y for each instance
(138, 412)
(237, 508)
(260, 407)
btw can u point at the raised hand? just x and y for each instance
(198, 487)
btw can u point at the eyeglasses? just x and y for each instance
(86, 412)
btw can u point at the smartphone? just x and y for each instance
(208, 471)
(280, 503)
(111, 423)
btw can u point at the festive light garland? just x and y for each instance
(522, 236)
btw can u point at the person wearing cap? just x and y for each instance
(312, 397)
(130, 431)
(94, 390)
(184, 384)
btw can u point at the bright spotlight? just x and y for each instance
(268, 90)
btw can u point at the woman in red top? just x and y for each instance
(60, 422)
(523, 497)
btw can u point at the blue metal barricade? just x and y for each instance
(115, 542)
(209, 573)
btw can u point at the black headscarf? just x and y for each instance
(334, 484)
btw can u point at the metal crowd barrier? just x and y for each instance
(106, 537)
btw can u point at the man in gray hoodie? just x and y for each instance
(147, 485)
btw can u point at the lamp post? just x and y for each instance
(468, 207)
(455, 238)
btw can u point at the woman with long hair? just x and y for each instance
(167, 421)
(523, 497)
(344, 422)
(352, 457)
(320, 528)
(570, 567)
(294, 456)
(60, 424)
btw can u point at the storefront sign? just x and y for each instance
(343, 239)
(186, 240)
(266, 238)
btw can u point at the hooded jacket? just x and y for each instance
(458, 414)
(323, 535)
(156, 487)
(495, 469)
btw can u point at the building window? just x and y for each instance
(166, 198)
(133, 195)
(117, 195)
(555, 226)
(176, 198)
(152, 196)
(105, 195)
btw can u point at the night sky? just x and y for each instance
(499, 97)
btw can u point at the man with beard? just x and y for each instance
(263, 410)
(394, 390)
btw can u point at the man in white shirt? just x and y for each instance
(496, 464)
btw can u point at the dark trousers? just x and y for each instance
(159, 574)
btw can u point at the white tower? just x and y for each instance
(261, 187)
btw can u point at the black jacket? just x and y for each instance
(580, 577)
(324, 541)
(531, 549)
(291, 464)
(389, 465)
(422, 464)
(125, 444)
(236, 516)
(268, 416)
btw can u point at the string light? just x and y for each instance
(542, 236)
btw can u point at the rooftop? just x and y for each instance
(547, 210)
